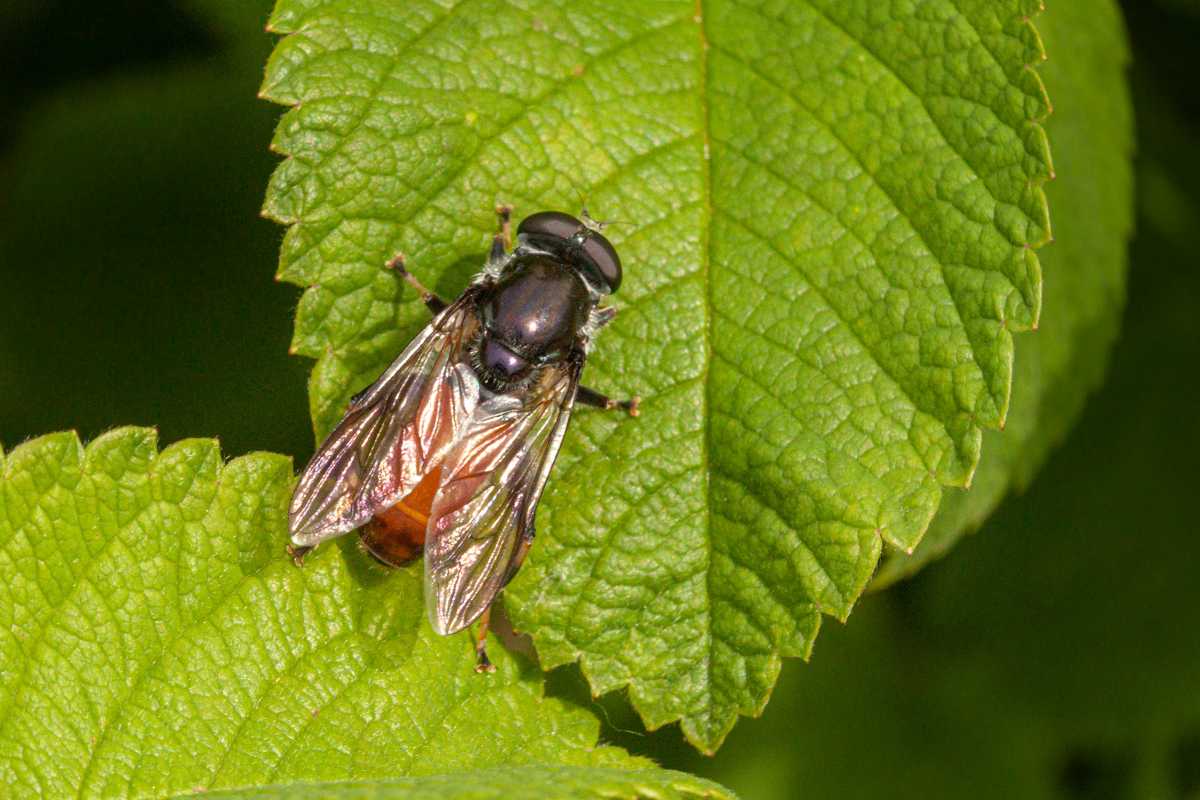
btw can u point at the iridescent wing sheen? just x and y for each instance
(393, 432)
(491, 482)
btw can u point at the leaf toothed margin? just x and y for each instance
(820, 317)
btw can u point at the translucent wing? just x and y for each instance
(491, 482)
(393, 432)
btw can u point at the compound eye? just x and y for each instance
(550, 223)
(605, 257)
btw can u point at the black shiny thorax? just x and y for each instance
(538, 307)
(532, 315)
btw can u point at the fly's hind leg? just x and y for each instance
(298, 552)
(590, 397)
(399, 266)
(483, 663)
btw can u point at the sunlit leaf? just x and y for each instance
(156, 640)
(539, 783)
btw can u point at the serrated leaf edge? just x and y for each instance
(774, 664)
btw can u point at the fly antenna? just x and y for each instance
(595, 225)
(583, 201)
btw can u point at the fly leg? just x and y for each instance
(483, 663)
(598, 318)
(590, 397)
(298, 552)
(502, 241)
(434, 303)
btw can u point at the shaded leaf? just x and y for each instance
(831, 211)
(136, 233)
(1092, 194)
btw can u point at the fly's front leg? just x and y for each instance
(431, 300)
(502, 240)
(590, 397)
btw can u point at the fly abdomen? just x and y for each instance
(396, 536)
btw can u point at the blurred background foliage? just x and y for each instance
(138, 271)
(1055, 654)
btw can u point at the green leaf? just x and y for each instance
(514, 783)
(1055, 655)
(155, 640)
(831, 209)
(1092, 129)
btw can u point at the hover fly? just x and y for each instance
(449, 449)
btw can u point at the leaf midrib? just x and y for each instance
(705, 270)
(947, 417)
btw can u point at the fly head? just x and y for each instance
(579, 245)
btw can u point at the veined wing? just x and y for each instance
(491, 481)
(392, 433)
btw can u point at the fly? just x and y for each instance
(448, 451)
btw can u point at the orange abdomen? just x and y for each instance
(397, 536)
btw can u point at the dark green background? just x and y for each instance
(1054, 654)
